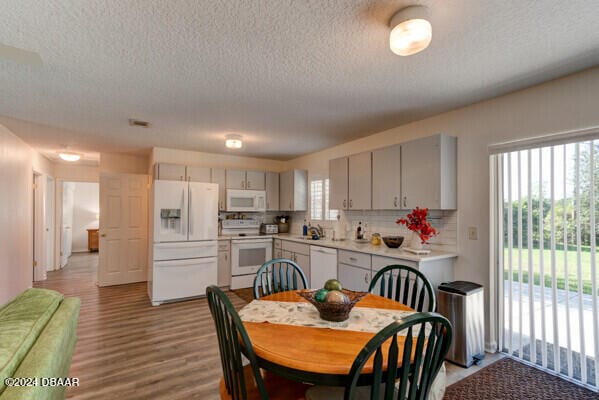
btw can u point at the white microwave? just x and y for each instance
(246, 200)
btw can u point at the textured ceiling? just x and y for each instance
(291, 76)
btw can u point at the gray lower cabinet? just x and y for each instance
(297, 252)
(354, 278)
(436, 271)
(224, 263)
(354, 270)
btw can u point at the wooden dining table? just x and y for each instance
(320, 356)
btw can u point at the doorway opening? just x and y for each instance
(79, 219)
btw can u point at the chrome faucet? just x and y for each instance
(319, 230)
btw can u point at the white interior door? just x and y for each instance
(203, 211)
(49, 224)
(123, 228)
(68, 199)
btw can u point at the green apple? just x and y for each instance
(333, 284)
(320, 295)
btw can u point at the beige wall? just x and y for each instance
(17, 162)
(123, 163)
(561, 105)
(76, 173)
(199, 159)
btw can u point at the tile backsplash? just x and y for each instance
(383, 222)
(379, 221)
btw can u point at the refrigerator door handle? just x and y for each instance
(183, 210)
(190, 212)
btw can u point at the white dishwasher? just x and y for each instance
(323, 265)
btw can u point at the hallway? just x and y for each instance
(131, 350)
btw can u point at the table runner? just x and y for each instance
(361, 319)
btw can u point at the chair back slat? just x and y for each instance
(231, 336)
(284, 274)
(427, 337)
(406, 285)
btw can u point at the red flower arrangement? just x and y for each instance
(416, 222)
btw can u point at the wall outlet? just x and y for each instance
(472, 233)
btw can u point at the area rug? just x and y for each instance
(509, 379)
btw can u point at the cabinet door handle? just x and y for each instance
(344, 203)
(249, 184)
(242, 184)
(181, 177)
(366, 278)
(353, 258)
(351, 203)
(395, 201)
(405, 201)
(103, 235)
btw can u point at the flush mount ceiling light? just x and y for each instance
(411, 32)
(69, 156)
(233, 141)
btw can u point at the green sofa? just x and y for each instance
(38, 332)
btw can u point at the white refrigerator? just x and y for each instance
(185, 233)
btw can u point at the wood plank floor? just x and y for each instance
(128, 349)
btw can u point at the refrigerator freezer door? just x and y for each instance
(183, 278)
(170, 211)
(203, 211)
(184, 250)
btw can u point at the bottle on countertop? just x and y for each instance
(359, 234)
(305, 229)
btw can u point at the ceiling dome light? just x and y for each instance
(233, 141)
(411, 32)
(71, 157)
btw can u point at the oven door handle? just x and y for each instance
(250, 241)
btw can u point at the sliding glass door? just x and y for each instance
(548, 219)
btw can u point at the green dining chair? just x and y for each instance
(427, 337)
(406, 285)
(279, 275)
(241, 382)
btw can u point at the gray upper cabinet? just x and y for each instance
(360, 181)
(272, 191)
(170, 172)
(240, 179)
(254, 180)
(386, 178)
(429, 173)
(219, 177)
(235, 179)
(338, 183)
(350, 182)
(198, 174)
(293, 190)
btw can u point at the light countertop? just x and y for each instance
(350, 245)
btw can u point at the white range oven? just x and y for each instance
(247, 256)
(249, 250)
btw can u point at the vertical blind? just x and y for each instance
(547, 261)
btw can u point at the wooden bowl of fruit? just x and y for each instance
(333, 302)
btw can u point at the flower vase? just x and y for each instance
(415, 242)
